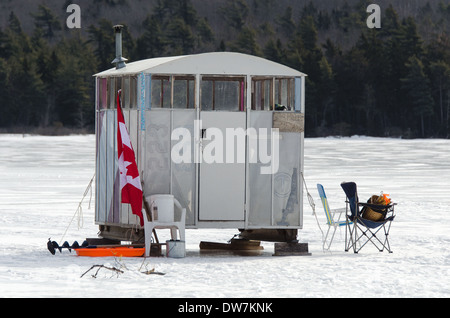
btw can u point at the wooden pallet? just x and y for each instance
(234, 245)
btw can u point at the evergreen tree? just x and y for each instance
(274, 51)
(380, 113)
(309, 62)
(351, 70)
(205, 32)
(103, 40)
(27, 92)
(25, 89)
(186, 11)
(235, 13)
(75, 99)
(246, 42)
(325, 92)
(151, 43)
(46, 20)
(173, 28)
(5, 105)
(14, 43)
(286, 22)
(416, 87)
(48, 64)
(180, 37)
(440, 79)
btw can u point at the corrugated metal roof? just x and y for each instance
(216, 63)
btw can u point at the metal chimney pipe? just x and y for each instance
(119, 60)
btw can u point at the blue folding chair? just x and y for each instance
(330, 214)
(368, 229)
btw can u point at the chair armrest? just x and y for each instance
(183, 215)
(183, 210)
(339, 212)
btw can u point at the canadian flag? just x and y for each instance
(130, 182)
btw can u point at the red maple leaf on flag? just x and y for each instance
(130, 182)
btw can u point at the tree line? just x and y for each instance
(391, 81)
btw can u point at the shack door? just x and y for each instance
(223, 149)
(222, 173)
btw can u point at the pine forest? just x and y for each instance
(391, 81)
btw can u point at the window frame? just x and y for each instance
(167, 87)
(266, 93)
(242, 91)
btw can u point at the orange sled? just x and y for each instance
(122, 251)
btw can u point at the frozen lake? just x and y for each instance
(43, 180)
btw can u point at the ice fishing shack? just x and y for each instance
(222, 132)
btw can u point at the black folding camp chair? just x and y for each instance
(363, 229)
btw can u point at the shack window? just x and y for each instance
(129, 91)
(183, 92)
(102, 96)
(114, 84)
(161, 92)
(111, 89)
(126, 93)
(273, 93)
(262, 94)
(223, 93)
(284, 94)
(133, 92)
(173, 92)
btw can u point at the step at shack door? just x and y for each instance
(222, 178)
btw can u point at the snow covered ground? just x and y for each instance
(42, 180)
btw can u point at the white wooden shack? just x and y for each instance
(242, 98)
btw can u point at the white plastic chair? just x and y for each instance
(332, 224)
(163, 217)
